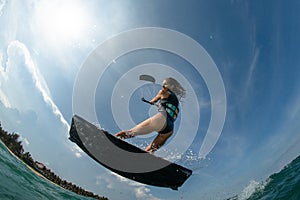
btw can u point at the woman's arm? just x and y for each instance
(157, 97)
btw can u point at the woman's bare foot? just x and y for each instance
(124, 134)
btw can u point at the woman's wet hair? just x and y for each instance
(173, 85)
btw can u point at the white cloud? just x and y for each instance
(23, 90)
(77, 151)
(141, 191)
(252, 67)
(2, 4)
(4, 99)
(138, 191)
(25, 141)
(106, 180)
(17, 48)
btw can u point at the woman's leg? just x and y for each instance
(152, 124)
(158, 142)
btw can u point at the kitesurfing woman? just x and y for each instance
(163, 121)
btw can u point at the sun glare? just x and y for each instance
(61, 21)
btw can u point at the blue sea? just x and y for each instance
(18, 182)
(284, 185)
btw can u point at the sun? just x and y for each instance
(61, 21)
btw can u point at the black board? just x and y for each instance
(94, 142)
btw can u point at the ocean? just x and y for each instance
(17, 181)
(284, 185)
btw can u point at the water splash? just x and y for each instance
(253, 187)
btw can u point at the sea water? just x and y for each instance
(17, 181)
(284, 185)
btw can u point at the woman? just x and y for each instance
(163, 121)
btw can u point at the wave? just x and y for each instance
(284, 185)
(19, 182)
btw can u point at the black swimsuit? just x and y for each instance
(170, 105)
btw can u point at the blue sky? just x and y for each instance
(253, 46)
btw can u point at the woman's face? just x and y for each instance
(164, 85)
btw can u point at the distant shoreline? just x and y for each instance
(33, 170)
(15, 148)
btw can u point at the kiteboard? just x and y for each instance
(126, 159)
